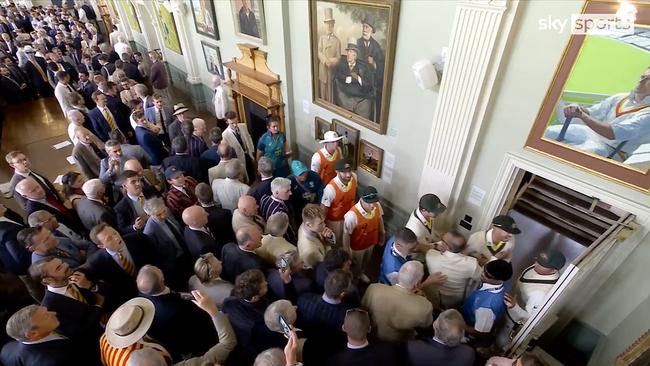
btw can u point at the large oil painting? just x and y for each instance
(205, 19)
(168, 30)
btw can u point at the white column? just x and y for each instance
(478, 38)
(179, 8)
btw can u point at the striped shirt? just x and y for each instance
(112, 356)
(270, 206)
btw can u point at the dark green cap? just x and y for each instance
(343, 164)
(370, 195)
(431, 203)
(506, 223)
(551, 259)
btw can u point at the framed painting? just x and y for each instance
(320, 127)
(212, 56)
(248, 17)
(131, 16)
(370, 158)
(205, 19)
(596, 112)
(168, 30)
(637, 354)
(352, 56)
(349, 144)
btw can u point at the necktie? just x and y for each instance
(109, 119)
(69, 88)
(58, 206)
(127, 265)
(76, 294)
(162, 120)
(429, 223)
(62, 253)
(141, 200)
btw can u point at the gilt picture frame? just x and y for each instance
(349, 144)
(205, 18)
(320, 127)
(370, 158)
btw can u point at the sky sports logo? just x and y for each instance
(592, 24)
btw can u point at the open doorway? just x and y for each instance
(584, 229)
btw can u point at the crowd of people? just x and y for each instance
(178, 244)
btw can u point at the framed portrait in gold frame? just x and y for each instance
(371, 158)
(596, 112)
(353, 51)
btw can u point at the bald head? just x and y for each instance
(195, 216)
(94, 188)
(75, 117)
(29, 189)
(247, 205)
(133, 164)
(150, 280)
(249, 238)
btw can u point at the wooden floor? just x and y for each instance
(34, 127)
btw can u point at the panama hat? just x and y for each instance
(130, 322)
(331, 136)
(180, 108)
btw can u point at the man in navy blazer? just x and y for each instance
(117, 263)
(129, 211)
(105, 119)
(160, 115)
(219, 219)
(190, 165)
(198, 237)
(37, 342)
(149, 140)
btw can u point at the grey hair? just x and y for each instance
(270, 357)
(410, 274)
(75, 116)
(21, 322)
(141, 89)
(150, 280)
(232, 170)
(279, 183)
(91, 186)
(273, 312)
(152, 205)
(277, 224)
(449, 327)
(37, 218)
(265, 166)
(146, 357)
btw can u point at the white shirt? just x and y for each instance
(48, 338)
(63, 94)
(220, 101)
(477, 247)
(530, 294)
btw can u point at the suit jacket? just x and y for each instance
(41, 83)
(86, 90)
(78, 320)
(236, 261)
(120, 286)
(396, 312)
(220, 224)
(132, 71)
(230, 137)
(60, 352)
(199, 242)
(180, 326)
(11, 90)
(13, 256)
(92, 213)
(354, 89)
(371, 355)
(158, 75)
(260, 189)
(87, 160)
(174, 129)
(150, 115)
(50, 191)
(136, 152)
(125, 214)
(107, 70)
(72, 251)
(166, 250)
(151, 144)
(109, 176)
(188, 164)
(101, 126)
(69, 219)
(424, 352)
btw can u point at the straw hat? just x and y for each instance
(180, 108)
(130, 322)
(331, 136)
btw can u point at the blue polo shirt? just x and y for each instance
(391, 261)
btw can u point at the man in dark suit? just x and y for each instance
(57, 64)
(68, 294)
(117, 262)
(167, 236)
(104, 119)
(198, 237)
(359, 352)
(149, 140)
(106, 68)
(247, 21)
(240, 257)
(37, 342)
(22, 167)
(180, 326)
(130, 69)
(36, 70)
(129, 210)
(353, 83)
(36, 199)
(190, 165)
(445, 347)
(219, 219)
(86, 89)
(13, 256)
(91, 209)
(265, 168)
(14, 91)
(158, 75)
(87, 154)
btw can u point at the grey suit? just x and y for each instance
(136, 152)
(174, 129)
(87, 160)
(92, 213)
(166, 249)
(108, 176)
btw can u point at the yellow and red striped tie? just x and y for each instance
(76, 294)
(126, 264)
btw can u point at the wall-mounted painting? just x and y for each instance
(205, 19)
(320, 127)
(248, 16)
(131, 16)
(596, 113)
(168, 30)
(212, 56)
(353, 50)
(349, 144)
(370, 158)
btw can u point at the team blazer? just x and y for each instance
(87, 160)
(92, 213)
(229, 136)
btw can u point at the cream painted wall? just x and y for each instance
(424, 28)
